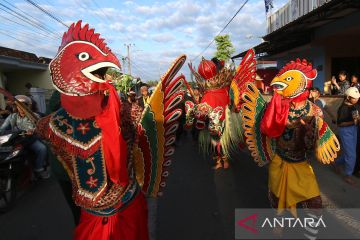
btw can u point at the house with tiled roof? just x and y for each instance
(325, 32)
(19, 70)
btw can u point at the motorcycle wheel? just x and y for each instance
(7, 193)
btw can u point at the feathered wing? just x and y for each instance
(156, 131)
(261, 147)
(245, 73)
(233, 135)
(327, 145)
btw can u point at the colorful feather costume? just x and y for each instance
(285, 132)
(112, 160)
(217, 115)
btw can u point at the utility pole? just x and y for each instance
(123, 63)
(128, 56)
(191, 73)
(159, 71)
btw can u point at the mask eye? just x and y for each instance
(289, 78)
(83, 56)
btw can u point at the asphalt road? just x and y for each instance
(40, 213)
(198, 203)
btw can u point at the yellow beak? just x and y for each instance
(278, 85)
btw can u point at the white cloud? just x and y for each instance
(165, 37)
(162, 30)
(117, 26)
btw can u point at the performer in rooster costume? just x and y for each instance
(111, 161)
(217, 115)
(284, 133)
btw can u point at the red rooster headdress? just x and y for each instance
(294, 79)
(78, 73)
(81, 62)
(291, 84)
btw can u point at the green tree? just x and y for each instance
(224, 47)
(124, 83)
(114, 73)
(152, 83)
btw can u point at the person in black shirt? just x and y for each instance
(143, 100)
(348, 120)
(314, 97)
(342, 85)
(355, 81)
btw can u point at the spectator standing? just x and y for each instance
(314, 97)
(355, 81)
(136, 110)
(348, 120)
(197, 99)
(197, 95)
(342, 85)
(144, 98)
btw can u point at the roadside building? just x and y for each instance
(326, 32)
(20, 71)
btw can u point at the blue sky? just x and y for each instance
(160, 30)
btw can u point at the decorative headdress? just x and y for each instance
(78, 33)
(210, 76)
(304, 67)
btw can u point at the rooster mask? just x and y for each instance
(294, 79)
(291, 84)
(81, 63)
(78, 73)
(78, 70)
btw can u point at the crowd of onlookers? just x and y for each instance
(339, 86)
(347, 121)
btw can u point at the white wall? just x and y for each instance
(2, 84)
(313, 54)
(17, 80)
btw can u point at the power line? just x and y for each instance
(140, 70)
(48, 2)
(138, 66)
(47, 13)
(142, 74)
(159, 73)
(81, 5)
(6, 34)
(23, 25)
(101, 10)
(221, 30)
(24, 18)
(25, 34)
(35, 20)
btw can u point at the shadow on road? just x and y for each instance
(199, 203)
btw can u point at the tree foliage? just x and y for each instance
(122, 82)
(152, 83)
(224, 47)
(125, 83)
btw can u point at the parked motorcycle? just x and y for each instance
(14, 167)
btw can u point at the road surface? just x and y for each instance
(198, 203)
